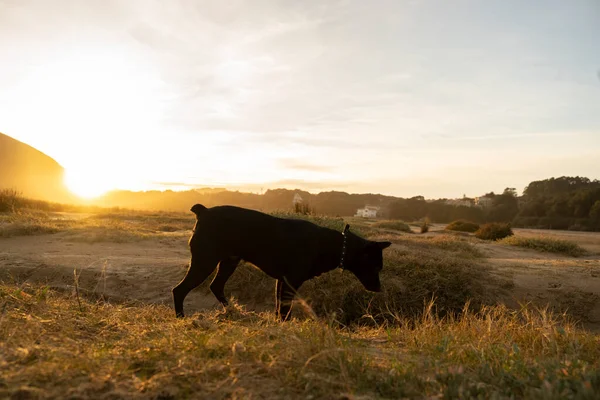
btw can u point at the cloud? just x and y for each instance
(280, 90)
(308, 185)
(302, 165)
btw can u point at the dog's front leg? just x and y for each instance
(286, 292)
(278, 286)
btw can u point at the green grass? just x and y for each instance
(546, 244)
(50, 348)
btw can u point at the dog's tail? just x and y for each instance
(197, 209)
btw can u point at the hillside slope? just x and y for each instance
(31, 172)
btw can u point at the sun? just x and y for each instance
(87, 185)
(89, 110)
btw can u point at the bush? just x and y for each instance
(304, 209)
(494, 231)
(463, 226)
(10, 200)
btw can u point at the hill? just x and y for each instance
(31, 172)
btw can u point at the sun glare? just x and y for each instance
(87, 185)
(88, 109)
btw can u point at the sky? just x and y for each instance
(405, 97)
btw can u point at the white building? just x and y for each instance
(460, 202)
(484, 201)
(367, 212)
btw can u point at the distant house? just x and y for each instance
(464, 202)
(484, 201)
(297, 199)
(367, 212)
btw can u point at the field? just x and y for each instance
(85, 302)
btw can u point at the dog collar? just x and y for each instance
(344, 246)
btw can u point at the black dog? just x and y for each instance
(289, 250)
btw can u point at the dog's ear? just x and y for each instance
(346, 228)
(383, 245)
(197, 209)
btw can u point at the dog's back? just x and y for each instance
(272, 243)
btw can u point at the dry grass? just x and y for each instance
(26, 224)
(453, 245)
(546, 244)
(49, 348)
(118, 227)
(393, 225)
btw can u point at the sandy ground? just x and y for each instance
(567, 283)
(144, 270)
(147, 270)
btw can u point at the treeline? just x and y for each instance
(555, 203)
(499, 208)
(328, 203)
(561, 203)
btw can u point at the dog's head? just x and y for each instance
(364, 258)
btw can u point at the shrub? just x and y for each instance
(304, 209)
(425, 226)
(463, 226)
(547, 244)
(494, 231)
(10, 200)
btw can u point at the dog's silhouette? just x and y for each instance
(290, 250)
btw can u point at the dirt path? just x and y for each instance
(566, 283)
(144, 271)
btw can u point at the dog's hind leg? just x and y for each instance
(226, 268)
(199, 270)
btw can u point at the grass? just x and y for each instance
(26, 224)
(451, 245)
(393, 225)
(546, 244)
(107, 226)
(49, 348)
